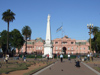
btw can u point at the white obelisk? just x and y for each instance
(48, 46)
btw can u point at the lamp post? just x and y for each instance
(80, 47)
(90, 26)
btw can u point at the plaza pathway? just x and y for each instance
(66, 68)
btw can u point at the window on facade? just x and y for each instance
(72, 48)
(84, 48)
(36, 48)
(68, 52)
(76, 51)
(29, 52)
(72, 42)
(68, 48)
(41, 48)
(29, 47)
(56, 42)
(29, 42)
(72, 52)
(76, 48)
(64, 42)
(60, 48)
(80, 48)
(56, 48)
(88, 48)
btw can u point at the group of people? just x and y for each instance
(61, 57)
(77, 61)
(90, 55)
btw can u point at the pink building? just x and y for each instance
(71, 46)
(65, 44)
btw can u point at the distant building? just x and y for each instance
(70, 46)
(65, 45)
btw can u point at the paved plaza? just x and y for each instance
(67, 68)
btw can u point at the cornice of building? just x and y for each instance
(81, 40)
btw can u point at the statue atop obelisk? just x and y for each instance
(48, 46)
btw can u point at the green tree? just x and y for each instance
(17, 39)
(26, 31)
(97, 35)
(94, 44)
(95, 30)
(0, 41)
(3, 41)
(8, 16)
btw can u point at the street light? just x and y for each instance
(80, 47)
(90, 26)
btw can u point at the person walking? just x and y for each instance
(88, 56)
(35, 56)
(61, 57)
(68, 56)
(47, 56)
(6, 58)
(24, 57)
(92, 56)
(77, 61)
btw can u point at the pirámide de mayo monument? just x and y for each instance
(44, 47)
(48, 45)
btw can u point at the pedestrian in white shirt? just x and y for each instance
(68, 56)
(88, 56)
(61, 57)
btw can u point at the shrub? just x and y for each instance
(33, 56)
(71, 56)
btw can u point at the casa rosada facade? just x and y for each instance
(65, 45)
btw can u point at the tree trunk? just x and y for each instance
(8, 37)
(26, 44)
(18, 51)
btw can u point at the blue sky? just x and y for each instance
(74, 14)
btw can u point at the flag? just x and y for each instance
(59, 29)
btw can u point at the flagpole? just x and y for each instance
(62, 40)
(60, 28)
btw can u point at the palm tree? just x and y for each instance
(26, 31)
(8, 16)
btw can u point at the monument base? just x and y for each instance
(48, 50)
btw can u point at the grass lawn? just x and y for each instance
(15, 65)
(37, 69)
(94, 64)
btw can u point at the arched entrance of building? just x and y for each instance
(64, 50)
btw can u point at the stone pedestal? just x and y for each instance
(48, 50)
